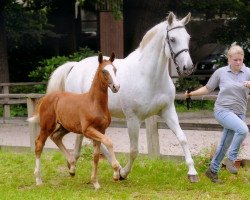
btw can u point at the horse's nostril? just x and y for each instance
(184, 68)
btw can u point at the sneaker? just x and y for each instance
(230, 166)
(213, 176)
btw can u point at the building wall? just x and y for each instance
(111, 35)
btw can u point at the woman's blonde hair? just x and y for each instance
(235, 49)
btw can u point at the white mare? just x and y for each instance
(146, 87)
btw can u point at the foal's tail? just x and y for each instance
(35, 119)
(58, 77)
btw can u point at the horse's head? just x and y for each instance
(109, 72)
(177, 43)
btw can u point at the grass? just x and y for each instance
(149, 179)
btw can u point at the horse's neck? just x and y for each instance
(99, 90)
(153, 61)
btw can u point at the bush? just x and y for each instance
(47, 66)
(185, 83)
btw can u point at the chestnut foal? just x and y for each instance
(63, 112)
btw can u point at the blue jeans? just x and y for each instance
(234, 132)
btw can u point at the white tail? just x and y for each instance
(57, 79)
(34, 119)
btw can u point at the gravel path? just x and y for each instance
(16, 133)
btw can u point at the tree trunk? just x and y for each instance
(4, 69)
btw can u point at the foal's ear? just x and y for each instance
(100, 58)
(112, 57)
(186, 19)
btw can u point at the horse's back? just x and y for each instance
(82, 74)
(58, 77)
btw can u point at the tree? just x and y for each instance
(235, 15)
(23, 28)
(4, 70)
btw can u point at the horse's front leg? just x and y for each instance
(171, 118)
(133, 131)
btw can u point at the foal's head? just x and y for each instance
(109, 72)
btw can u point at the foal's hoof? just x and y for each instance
(193, 178)
(72, 174)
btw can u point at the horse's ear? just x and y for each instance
(186, 19)
(170, 18)
(112, 57)
(100, 58)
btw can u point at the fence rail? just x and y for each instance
(151, 124)
(6, 102)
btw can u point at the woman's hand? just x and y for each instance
(247, 84)
(187, 94)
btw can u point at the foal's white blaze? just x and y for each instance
(114, 85)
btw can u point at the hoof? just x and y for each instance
(121, 178)
(96, 186)
(193, 178)
(39, 182)
(72, 174)
(116, 179)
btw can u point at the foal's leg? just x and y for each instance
(171, 118)
(96, 157)
(98, 136)
(39, 144)
(56, 137)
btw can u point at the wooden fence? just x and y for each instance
(6, 102)
(151, 124)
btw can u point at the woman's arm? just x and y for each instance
(201, 91)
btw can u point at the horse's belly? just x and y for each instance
(149, 106)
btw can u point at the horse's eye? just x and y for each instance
(172, 39)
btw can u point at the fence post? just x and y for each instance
(33, 127)
(152, 136)
(6, 108)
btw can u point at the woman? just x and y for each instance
(229, 109)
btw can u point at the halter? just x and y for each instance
(175, 55)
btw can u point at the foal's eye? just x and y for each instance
(172, 39)
(104, 71)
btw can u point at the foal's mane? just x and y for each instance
(150, 35)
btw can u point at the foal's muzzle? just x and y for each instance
(114, 88)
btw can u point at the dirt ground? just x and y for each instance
(16, 133)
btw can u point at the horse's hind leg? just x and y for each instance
(172, 121)
(56, 137)
(39, 144)
(96, 157)
(78, 145)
